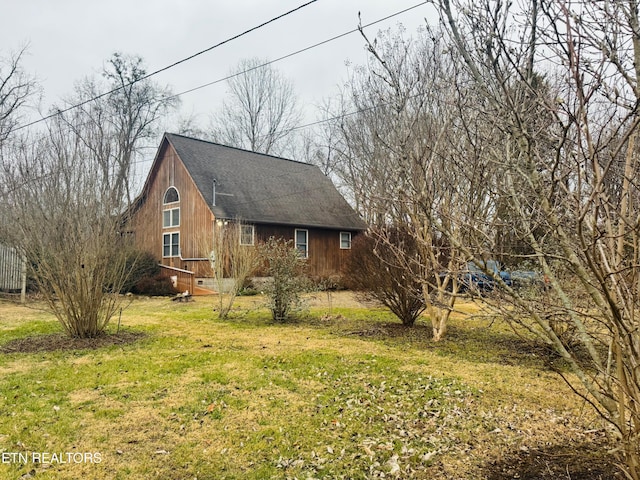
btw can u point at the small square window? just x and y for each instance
(345, 240)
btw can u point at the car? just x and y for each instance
(483, 277)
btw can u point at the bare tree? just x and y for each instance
(558, 81)
(391, 152)
(233, 258)
(70, 192)
(188, 125)
(117, 125)
(260, 111)
(16, 87)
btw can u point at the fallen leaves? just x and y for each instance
(398, 424)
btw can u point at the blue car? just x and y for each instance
(483, 278)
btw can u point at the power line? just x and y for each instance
(283, 57)
(310, 47)
(302, 50)
(336, 37)
(149, 75)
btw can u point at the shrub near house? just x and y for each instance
(376, 270)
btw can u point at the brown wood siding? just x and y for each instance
(325, 255)
(196, 219)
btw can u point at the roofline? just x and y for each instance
(238, 148)
(351, 228)
(136, 201)
(166, 138)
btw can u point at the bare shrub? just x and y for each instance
(231, 260)
(285, 267)
(373, 270)
(70, 192)
(69, 233)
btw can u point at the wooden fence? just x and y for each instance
(184, 280)
(11, 269)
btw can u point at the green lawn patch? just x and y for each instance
(342, 394)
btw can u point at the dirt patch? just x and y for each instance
(586, 461)
(60, 341)
(394, 331)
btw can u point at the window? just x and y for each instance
(302, 242)
(246, 235)
(345, 240)
(171, 196)
(171, 244)
(171, 218)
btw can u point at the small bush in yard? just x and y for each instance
(376, 273)
(140, 265)
(285, 267)
(155, 286)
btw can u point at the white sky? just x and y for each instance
(70, 39)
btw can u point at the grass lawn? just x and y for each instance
(345, 392)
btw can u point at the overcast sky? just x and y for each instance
(70, 39)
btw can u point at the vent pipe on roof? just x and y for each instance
(213, 202)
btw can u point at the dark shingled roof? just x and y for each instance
(258, 188)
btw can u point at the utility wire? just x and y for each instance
(302, 50)
(310, 47)
(149, 75)
(297, 52)
(336, 37)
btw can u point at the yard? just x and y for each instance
(345, 392)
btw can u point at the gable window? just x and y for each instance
(171, 196)
(302, 242)
(171, 244)
(171, 218)
(247, 233)
(345, 240)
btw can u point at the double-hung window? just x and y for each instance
(171, 244)
(247, 233)
(345, 240)
(302, 242)
(171, 217)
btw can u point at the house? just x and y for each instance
(194, 185)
